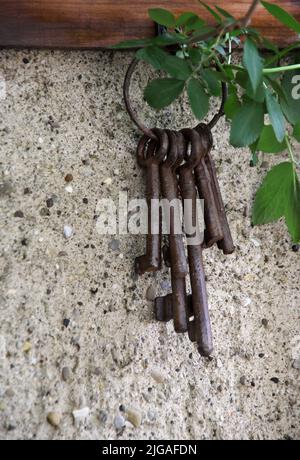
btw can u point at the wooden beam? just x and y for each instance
(83, 24)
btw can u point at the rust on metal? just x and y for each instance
(179, 166)
(149, 156)
(201, 323)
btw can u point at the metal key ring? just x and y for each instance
(149, 132)
(198, 149)
(172, 156)
(154, 152)
(206, 135)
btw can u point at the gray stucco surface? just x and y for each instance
(63, 114)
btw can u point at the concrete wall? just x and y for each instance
(74, 303)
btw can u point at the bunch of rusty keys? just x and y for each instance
(179, 164)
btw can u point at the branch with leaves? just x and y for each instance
(263, 104)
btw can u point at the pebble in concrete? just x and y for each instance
(54, 418)
(151, 293)
(81, 414)
(66, 374)
(68, 231)
(119, 422)
(158, 375)
(134, 416)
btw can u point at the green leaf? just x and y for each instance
(190, 21)
(279, 196)
(268, 143)
(178, 68)
(283, 16)
(253, 63)
(211, 11)
(153, 55)
(184, 18)
(163, 91)
(296, 132)
(276, 87)
(159, 59)
(195, 55)
(276, 116)
(162, 17)
(199, 100)
(169, 38)
(290, 105)
(247, 124)
(213, 83)
(270, 200)
(224, 13)
(232, 105)
(195, 25)
(242, 78)
(204, 30)
(258, 95)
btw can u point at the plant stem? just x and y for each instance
(247, 19)
(235, 67)
(229, 52)
(240, 23)
(202, 37)
(271, 70)
(291, 153)
(282, 69)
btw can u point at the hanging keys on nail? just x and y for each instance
(161, 153)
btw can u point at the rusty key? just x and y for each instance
(226, 243)
(213, 230)
(149, 155)
(201, 325)
(163, 306)
(177, 255)
(169, 192)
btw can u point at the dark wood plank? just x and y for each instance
(98, 23)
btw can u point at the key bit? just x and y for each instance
(164, 309)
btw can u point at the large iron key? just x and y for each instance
(202, 326)
(169, 192)
(226, 243)
(178, 261)
(149, 155)
(213, 230)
